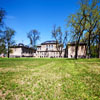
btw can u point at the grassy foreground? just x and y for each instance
(49, 79)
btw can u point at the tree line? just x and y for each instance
(84, 26)
(6, 35)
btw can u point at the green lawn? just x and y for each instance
(49, 79)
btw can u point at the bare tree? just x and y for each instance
(60, 39)
(33, 36)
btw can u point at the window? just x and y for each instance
(52, 46)
(46, 46)
(42, 53)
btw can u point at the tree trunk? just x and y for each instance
(59, 54)
(8, 50)
(66, 52)
(76, 48)
(99, 44)
(89, 48)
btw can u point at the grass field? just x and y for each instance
(49, 79)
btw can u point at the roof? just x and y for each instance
(20, 45)
(49, 42)
(74, 43)
(38, 45)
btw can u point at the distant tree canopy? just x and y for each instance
(2, 15)
(85, 25)
(8, 38)
(6, 35)
(2, 43)
(33, 36)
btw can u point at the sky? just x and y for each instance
(42, 15)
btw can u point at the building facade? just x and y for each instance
(21, 51)
(48, 50)
(81, 50)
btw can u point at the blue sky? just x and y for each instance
(25, 15)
